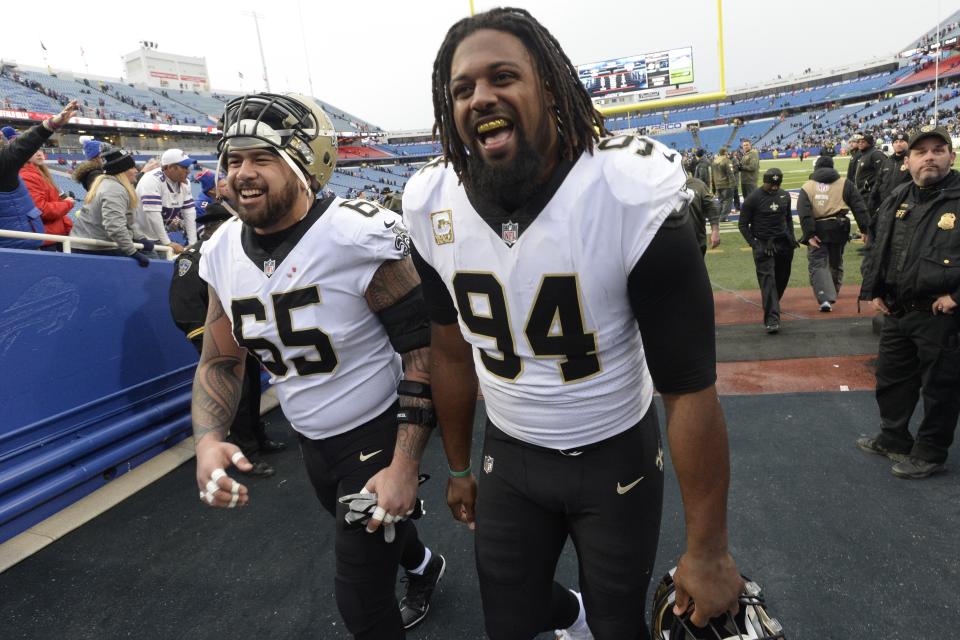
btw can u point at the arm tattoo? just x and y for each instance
(393, 280)
(412, 438)
(218, 381)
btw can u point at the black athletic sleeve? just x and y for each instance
(440, 307)
(673, 303)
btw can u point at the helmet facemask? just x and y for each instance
(294, 126)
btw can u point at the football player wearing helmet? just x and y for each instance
(752, 622)
(543, 248)
(323, 292)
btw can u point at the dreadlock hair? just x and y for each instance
(579, 124)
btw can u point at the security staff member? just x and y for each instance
(749, 168)
(823, 204)
(188, 305)
(766, 225)
(853, 149)
(869, 166)
(913, 276)
(893, 173)
(703, 208)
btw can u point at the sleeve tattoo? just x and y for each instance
(218, 381)
(392, 281)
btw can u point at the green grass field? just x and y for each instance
(731, 264)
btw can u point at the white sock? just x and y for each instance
(580, 624)
(423, 565)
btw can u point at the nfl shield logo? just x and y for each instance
(510, 231)
(487, 464)
(269, 266)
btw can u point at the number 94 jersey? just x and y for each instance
(301, 309)
(556, 346)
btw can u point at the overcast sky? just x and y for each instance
(373, 58)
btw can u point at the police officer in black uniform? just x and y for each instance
(893, 173)
(188, 305)
(869, 166)
(913, 276)
(853, 149)
(766, 225)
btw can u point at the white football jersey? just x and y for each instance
(305, 316)
(556, 346)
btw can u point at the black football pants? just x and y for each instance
(366, 571)
(607, 498)
(773, 274)
(919, 356)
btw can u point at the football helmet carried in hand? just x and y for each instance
(751, 623)
(292, 124)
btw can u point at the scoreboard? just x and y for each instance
(621, 76)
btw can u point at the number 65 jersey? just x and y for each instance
(556, 346)
(301, 309)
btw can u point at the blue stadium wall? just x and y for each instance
(94, 377)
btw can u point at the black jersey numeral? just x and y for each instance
(493, 323)
(364, 207)
(283, 306)
(554, 329)
(624, 141)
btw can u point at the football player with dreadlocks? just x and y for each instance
(543, 247)
(324, 293)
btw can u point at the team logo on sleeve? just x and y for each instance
(442, 223)
(402, 241)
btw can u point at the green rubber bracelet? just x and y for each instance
(460, 474)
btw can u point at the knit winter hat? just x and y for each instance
(92, 149)
(117, 161)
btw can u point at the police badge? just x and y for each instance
(269, 266)
(947, 221)
(509, 232)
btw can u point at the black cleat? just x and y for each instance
(915, 468)
(271, 446)
(260, 470)
(870, 445)
(415, 605)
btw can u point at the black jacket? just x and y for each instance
(932, 265)
(15, 154)
(766, 216)
(702, 171)
(851, 198)
(854, 161)
(868, 170)
(892, 175)
(188, 295)
(703, 208)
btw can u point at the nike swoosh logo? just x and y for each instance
(622, 490)
(366, 456)
(387, 225)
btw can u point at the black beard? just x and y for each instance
(508, 185)
(277, 207)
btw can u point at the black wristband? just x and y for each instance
(417, 415)
(414, 389)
